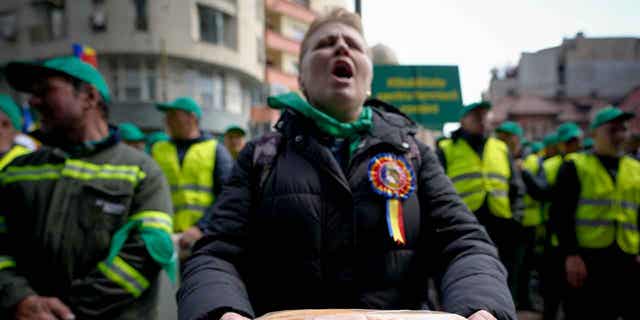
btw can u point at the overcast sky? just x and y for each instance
(478, 35)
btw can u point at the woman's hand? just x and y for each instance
(232, 316)
(482, 315)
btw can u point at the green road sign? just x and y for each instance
(430, 95)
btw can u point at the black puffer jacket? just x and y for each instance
(315, 237)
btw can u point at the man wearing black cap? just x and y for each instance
(483, 172)
(87, 218)
(595, 208)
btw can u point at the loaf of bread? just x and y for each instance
(358, 314)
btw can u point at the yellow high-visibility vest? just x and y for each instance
(192, 183)
(16, 151)
(533, 214)
(551, 167)
(478, 179)
(608, 210)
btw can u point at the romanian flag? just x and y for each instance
(86, 54)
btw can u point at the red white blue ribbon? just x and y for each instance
(392, 177)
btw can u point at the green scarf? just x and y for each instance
(158, 243)
(326, 123)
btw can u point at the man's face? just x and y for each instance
(234, 142)
(611, 136)
(60, 105)
(180, 123)
(475, 122)
(7, 131)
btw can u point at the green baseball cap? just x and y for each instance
(511, 128)
(550, 139)
(236, 129)
(477, 105)
(181, 103)
(156, 136)
(609, 114)
(11, 109)
(22, 75)
(130, 132)
(587, 143)
(568, 131)
(536, 146)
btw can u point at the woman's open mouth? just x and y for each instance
(342, 69)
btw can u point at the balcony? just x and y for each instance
(291, 9)
(277, 76)
(279, 42)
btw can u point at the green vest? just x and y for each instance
(608, 210)
(533, 214)
(478, 179)
(16, 151)
(191, 184)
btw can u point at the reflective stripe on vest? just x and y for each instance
(74, 169)
(7, 262)
(476, 179)
(154, 220)
(15, 152)
(124, 275)
(192, 183)
(608, 210)
(533, 214)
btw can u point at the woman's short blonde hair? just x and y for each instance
(337, 15)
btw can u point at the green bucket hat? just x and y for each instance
(22, 75)
(511, 127)
(609, 114)
(477, 105)
(568, 131)
(536, 146)
(236, 129)
(11, 109)
(550, 140)
(181, 103)
(130, 132)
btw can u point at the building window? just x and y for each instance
(296, 31)
(151, 81)
(133, 82)
(52, 21)
(141, 23)
(204, 87)
(113, 70)
(219, 90)
(210, 91)
(217, 27)
(8, 27)
(98, 17)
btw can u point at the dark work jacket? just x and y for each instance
(315, 235)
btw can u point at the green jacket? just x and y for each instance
(59, 213)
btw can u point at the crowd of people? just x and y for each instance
(340, 207)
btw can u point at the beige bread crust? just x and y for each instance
(359, 314)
